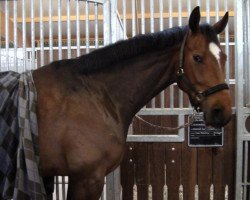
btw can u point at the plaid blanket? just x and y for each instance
(19, 153)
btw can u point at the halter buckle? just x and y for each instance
(180, 72)
(199, 96)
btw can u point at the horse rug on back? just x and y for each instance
(19, 153)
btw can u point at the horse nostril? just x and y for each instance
(217, 114)
(217, 111)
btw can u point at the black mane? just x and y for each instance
(115, 53)
(118, 52)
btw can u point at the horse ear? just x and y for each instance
(220, 25)
(194, 19)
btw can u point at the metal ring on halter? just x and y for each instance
(180, 72)
(199, 96)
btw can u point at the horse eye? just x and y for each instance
(197, 58)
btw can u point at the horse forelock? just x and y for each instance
(208, 31)
(114, 54)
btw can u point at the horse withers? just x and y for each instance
(85, 105)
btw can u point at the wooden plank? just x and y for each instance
(141, 161)
(218, 167)
(172, 159)
(204, 172)
(189, 168)
(229, 157)
(141, 170)
(173, 169)
(223, 163)
(156, 155)
(127, 173)
(156, 162)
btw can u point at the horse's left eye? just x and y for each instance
(197, 58)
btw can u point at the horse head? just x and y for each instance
(201, 71)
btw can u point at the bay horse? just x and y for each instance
(85, 105)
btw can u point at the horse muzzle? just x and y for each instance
(217, 117)
(217, 109)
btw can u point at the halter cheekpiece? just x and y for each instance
(196, 97)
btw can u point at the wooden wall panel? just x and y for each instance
(184, 165)
(188, 169)
(128, 173)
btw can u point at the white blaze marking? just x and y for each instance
(215, 50)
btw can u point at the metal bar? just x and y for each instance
(57, 187)
(65, 47)
(15, 35)
(152, 31)
(113, 184)
(32, 36)
(87, 26)
(120, 31)
(152, 16)
(142, 16)
(63, 188)
(161, 14)
(133, 18)
(155, 138)
(59, 23)
(97, 1)
(110, 186)
(227, 70)
(179, 13)
(165, 111)
(50, 32)
(41, 34)
(245, 167)
(169, 111)
(106, 23)
(247, 18)
(7, 16)
(96, 27)
(180, 117)
(162, 95)
(104, 191)
(68, 30)
(78, 42)
(189, 12)
(198, 2)
(24, 33)
(217, 10)
(171, 88)
(114, 27)
(246, 55)
(238, 21)
(124, 20)
(246, 183)
(208, 11)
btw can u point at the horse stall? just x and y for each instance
(160, 163)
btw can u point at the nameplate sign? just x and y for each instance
(199, 135)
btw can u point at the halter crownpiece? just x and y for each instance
(196, 97)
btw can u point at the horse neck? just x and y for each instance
(139, 79)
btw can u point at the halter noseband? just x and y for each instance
(196, 97)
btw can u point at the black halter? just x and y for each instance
(196, 97)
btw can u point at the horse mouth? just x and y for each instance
(216, 120)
